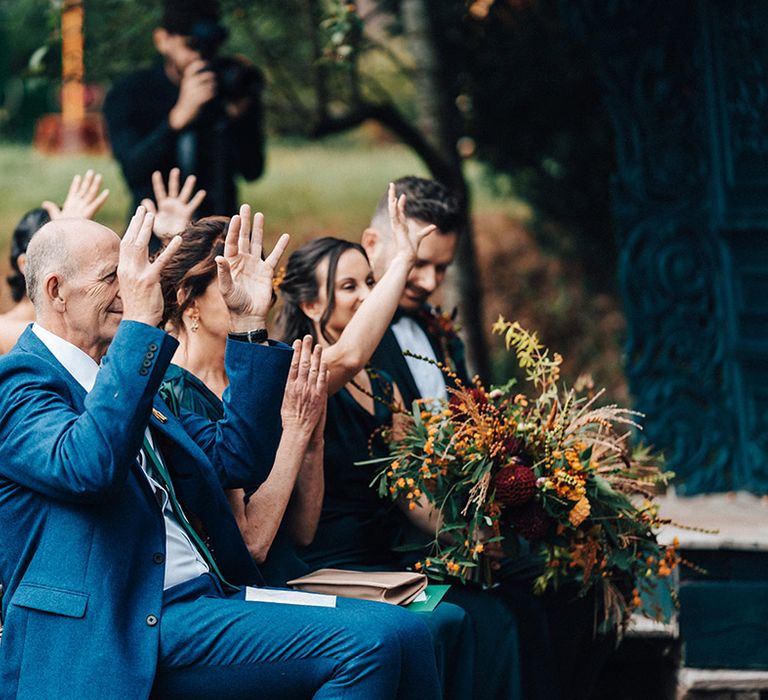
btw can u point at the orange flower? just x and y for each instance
(580, 511)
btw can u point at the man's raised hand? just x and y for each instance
(407, 238)
(175, 206)
(139, 278)
(245, 280)
(83, 199)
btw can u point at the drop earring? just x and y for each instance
(194, 325)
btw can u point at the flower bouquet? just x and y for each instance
(548, 464)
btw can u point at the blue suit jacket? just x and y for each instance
(83, 543)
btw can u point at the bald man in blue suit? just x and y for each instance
(122, 566)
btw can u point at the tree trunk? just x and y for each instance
(434, 114)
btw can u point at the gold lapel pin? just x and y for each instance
(159, 415)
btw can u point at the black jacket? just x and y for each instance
(214, 148)
(447, 345)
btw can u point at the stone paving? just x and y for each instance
(740, 519)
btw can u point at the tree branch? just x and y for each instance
(388, 116)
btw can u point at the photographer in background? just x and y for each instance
(193, 110)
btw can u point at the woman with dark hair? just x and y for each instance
(195, 313)
(83, 201)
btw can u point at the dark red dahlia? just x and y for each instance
(513, 446)
(516, 449)
(515, 484)
(529, 520)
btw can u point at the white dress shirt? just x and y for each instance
(182, 560)
(429, 379)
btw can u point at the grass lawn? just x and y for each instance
(331, 188)
(308, 189)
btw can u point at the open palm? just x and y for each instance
(407, 238)
(175, 206)
(245, 279)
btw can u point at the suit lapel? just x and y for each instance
(182, 456)
(201, 496)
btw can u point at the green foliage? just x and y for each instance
(531, 100)
(25, 66)
(118, 37)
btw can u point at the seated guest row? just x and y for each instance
(139, 519)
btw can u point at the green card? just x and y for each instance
(434, 594)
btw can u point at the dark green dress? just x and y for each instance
(357, 528)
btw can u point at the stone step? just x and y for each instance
(721, 684)
(739, 519)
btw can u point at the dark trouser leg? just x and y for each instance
(498, 672)
(454, 644)
(540, 677)
(579, 650)
(561, 650)
(224, 647)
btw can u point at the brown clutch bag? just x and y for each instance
(396, 587)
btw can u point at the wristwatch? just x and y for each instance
(259, 336)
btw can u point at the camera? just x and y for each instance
(235, 79)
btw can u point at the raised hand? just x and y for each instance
(83, 199)
(138, 277)
(175, 207)
(306, 391)
(407, 238)
(245, 280)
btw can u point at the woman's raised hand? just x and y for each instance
(84, 198)
(176, 205)
(407, 238)
(306, 391)
(245, 280)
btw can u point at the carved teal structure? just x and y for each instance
(686, 83)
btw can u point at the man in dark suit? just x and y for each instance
(121, 563)
(419, 327)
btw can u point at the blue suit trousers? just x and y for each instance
(214, 645)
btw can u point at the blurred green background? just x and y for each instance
(510, 109)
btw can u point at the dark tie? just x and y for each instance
(159, 473)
